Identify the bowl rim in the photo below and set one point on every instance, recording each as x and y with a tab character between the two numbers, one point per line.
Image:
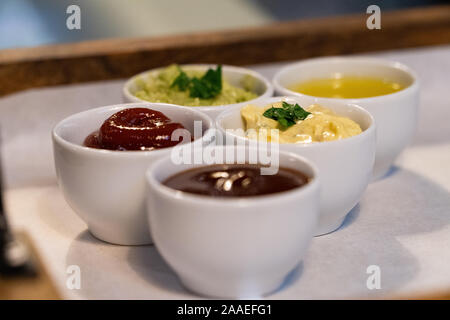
371	129
58	139
267	93
261	200
398	66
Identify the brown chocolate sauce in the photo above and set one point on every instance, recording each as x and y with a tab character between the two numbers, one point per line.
237	180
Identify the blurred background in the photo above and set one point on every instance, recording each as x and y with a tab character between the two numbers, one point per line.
28	23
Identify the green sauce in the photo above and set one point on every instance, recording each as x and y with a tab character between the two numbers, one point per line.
158	88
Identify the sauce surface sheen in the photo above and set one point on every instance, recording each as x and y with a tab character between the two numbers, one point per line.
347	87
134	129
237	180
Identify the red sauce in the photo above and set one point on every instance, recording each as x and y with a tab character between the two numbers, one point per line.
134	129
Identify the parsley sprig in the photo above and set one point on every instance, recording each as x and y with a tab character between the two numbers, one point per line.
206	87
287	115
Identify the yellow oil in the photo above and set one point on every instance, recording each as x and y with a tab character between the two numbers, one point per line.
347	87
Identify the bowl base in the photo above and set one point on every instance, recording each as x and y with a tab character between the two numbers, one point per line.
221	289
381	173
326	226
118	239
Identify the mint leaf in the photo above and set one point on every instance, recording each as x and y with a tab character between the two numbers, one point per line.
199	89
300	113
287	115
206	87
285	123
182	81
214	79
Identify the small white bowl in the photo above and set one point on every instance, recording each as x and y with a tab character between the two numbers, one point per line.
345	165
232	247
395	114
233	75
107	188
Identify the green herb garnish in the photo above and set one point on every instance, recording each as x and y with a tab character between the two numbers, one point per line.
182	81
288	115
206	87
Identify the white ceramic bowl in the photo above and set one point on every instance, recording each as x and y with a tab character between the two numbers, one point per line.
107	188
345	166
395	114
233	75
232	247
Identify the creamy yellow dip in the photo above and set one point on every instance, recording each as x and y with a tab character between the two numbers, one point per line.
321	125
158	88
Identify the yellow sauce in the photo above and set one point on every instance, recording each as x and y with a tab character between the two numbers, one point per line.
321	125
347	87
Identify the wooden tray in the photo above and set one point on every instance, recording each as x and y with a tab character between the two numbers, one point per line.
120	58
39	286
